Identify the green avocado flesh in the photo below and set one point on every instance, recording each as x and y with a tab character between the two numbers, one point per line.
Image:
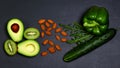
15	29
31	33
29	48
10	47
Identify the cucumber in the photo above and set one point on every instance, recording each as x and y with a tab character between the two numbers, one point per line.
89	46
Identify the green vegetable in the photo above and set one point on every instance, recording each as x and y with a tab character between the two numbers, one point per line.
81	40
96	20
77	33
72	27
89	46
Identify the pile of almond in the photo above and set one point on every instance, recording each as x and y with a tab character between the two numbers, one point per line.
47	26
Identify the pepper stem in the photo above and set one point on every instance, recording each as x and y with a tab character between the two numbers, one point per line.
91	23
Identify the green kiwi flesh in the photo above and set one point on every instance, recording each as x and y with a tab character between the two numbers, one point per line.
10	47
31	33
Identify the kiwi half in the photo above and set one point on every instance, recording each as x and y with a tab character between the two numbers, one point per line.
10	47
31	33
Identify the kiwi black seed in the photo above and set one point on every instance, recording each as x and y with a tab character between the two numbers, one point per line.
31	33
10	47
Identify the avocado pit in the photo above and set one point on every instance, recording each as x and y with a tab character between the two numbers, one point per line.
15	27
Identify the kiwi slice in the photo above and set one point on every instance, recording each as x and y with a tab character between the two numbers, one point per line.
31	33
10	47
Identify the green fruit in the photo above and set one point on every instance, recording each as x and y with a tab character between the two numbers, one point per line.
15	29
31	33
29	48
10	47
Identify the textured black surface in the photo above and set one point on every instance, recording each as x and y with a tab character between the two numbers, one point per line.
65	12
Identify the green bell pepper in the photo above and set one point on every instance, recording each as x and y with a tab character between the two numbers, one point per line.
96	20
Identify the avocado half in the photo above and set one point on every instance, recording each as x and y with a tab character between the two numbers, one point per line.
29	48
15	29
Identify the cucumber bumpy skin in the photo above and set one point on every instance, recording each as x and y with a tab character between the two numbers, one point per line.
89	46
